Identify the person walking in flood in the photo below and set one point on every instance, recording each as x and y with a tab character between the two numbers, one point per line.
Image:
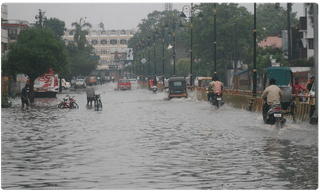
25	96
90	94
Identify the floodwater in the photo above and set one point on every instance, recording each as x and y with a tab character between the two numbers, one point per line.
141	140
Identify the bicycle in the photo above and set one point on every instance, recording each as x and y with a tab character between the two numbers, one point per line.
97	102
68	103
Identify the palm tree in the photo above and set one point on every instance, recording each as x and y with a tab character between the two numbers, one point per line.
80	33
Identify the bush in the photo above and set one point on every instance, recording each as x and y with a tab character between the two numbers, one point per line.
303	62
5	101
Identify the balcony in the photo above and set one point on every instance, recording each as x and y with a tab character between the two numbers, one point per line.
302	24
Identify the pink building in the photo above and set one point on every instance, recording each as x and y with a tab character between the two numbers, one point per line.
273	41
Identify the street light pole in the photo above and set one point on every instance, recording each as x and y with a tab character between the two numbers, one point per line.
154	52
183	16
215	40
163	54
254	75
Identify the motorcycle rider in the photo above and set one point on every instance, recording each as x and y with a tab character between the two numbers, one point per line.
210	88
272	93
217	87
155	80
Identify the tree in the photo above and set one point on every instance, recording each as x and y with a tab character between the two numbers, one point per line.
234	26
147	27
80	33
183	67
57	26
274	17
36	52
81	64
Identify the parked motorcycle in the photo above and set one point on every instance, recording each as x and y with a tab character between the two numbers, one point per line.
274	115
68	103
216	100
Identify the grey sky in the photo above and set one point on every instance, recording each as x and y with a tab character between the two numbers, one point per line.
113	15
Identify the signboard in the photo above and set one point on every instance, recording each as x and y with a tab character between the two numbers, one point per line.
94	57
22	77
143	60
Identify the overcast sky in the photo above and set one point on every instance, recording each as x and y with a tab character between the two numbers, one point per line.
122	15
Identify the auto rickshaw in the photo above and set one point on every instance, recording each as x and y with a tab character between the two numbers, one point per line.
284	80
177	87
202	87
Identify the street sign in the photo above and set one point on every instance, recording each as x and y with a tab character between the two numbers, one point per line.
94	57
143	60
129	63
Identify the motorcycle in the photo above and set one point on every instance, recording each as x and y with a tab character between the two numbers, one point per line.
68	103
216	100
274	115
154	89
97	102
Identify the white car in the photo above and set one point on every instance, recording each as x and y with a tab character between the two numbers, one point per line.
133	81
80	83
65	84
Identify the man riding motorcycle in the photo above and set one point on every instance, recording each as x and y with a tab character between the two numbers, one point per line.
273	94
210	94
155	80
216	86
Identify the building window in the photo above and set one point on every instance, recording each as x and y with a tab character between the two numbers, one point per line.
103	33
123	32
93	33
103	52
87	42
113	41
103	62
311	44
113	32
94	42
71	33
104	42
123	42
70	42
132	32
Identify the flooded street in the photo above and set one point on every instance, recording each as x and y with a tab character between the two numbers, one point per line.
140	140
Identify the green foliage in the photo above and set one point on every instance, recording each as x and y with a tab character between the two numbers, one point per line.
6	68
37	51
273	17
5	101
303	62
81	64
231	20
183	67
57	26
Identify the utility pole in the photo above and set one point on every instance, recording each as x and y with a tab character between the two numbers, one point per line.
215	40
254	90
288	26
314	118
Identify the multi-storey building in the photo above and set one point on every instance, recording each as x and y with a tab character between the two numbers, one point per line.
14	26
306	27
4	32
110	45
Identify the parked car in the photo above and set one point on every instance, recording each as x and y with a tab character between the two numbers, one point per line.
80	83
92	80
80	77
65	84
124	84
